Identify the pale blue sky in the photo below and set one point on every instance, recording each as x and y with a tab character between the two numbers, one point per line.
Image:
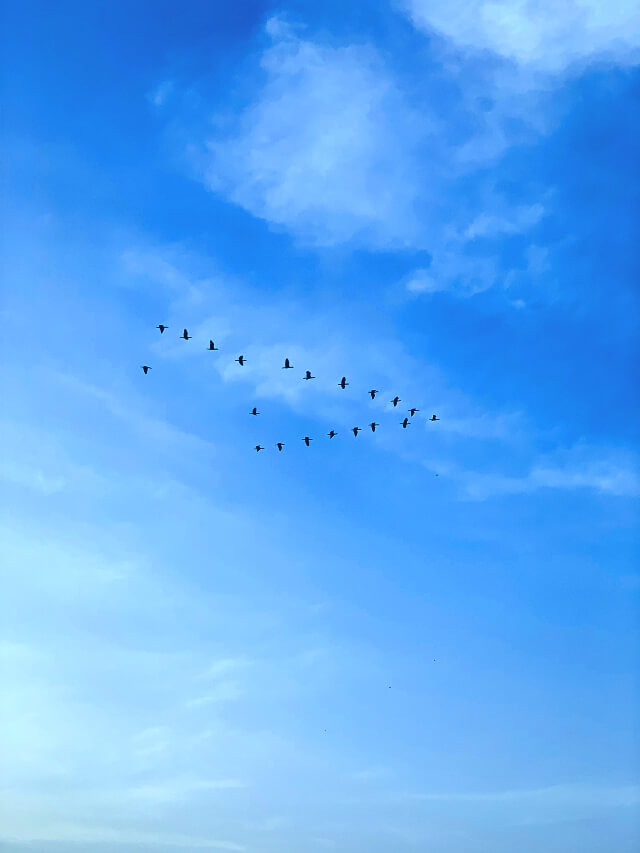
418	640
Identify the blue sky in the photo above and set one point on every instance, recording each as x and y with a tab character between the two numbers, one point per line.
422	639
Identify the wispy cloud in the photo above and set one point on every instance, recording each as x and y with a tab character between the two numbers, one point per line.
326	148
542	34
581	467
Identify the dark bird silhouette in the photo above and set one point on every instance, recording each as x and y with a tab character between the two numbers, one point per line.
280	445
405	423
287	365
332	433
413	411
373	426
146	368
254	411
373	393
343	383
185	335
241	360
395	401
308	375
356	430
259	448
212	346
307	440
434	418
161	327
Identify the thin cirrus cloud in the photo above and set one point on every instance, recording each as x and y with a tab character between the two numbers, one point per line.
326	148
581	467
333	148
543	35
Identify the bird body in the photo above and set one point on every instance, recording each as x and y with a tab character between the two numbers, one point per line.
373	393
287	365
395	401
332	433
146	368
307	440
343	383
241	360
413	411
373	426
185	335
405	423
254	411
212	346
308	375
161	327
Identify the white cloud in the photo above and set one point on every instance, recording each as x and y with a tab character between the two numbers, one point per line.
452	270
326	148
580	467
58	831
542	34
514	222
161	93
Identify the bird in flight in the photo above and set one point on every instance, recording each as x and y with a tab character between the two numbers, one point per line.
280	445
161	327
308	375
356	430
307	440
146	368
254	411
332	433
434	418
395	401
259	448
413	411
373	393
343	383
212	346
185	335
287	365
373	426
405	423
241	360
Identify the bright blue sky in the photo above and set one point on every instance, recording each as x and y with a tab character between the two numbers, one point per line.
434	198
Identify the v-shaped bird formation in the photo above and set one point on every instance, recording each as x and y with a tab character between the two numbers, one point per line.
343	384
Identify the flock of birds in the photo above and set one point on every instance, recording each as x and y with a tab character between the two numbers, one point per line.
288	366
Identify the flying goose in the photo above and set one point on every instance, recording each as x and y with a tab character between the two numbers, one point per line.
343	383
254	411
212	346
259	448
434	418
307	440
373	426
395	401
332	433
373	393
241	360
146	368
405	423
185	335
308	375
280	445
287	365
413	411
161	327
356	430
